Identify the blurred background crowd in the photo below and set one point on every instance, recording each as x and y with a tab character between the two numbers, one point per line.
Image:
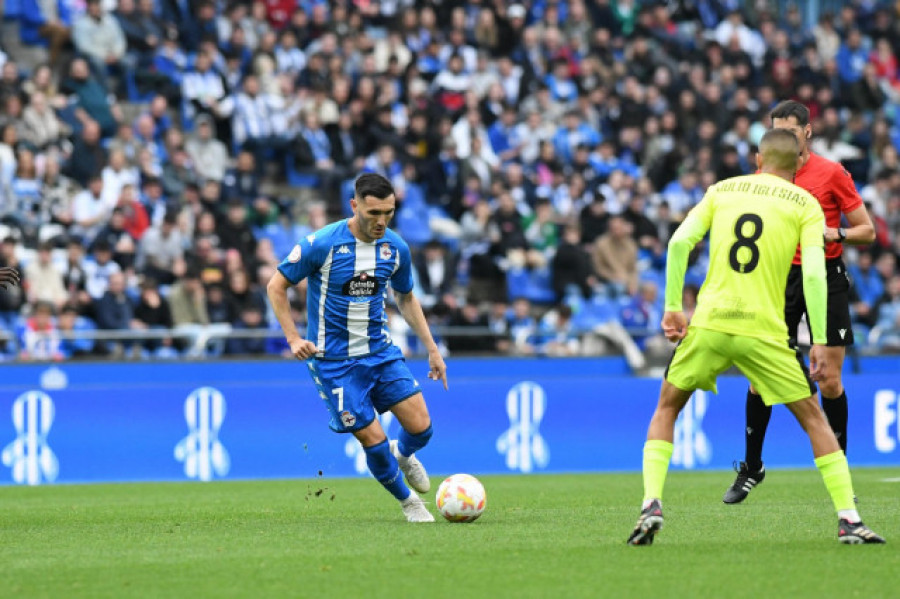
158	158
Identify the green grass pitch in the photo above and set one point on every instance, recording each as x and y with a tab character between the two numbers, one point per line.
540	536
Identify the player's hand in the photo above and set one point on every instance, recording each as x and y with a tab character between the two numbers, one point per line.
438	370
303	349
674	326
831	235
818	366
9	277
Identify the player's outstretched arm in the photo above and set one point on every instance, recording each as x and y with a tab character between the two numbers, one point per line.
281	305
412	312
9	277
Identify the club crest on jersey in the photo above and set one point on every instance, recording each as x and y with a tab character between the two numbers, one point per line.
294	256
347	418
362	285
386	251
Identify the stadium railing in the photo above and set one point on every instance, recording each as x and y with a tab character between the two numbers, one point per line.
204	341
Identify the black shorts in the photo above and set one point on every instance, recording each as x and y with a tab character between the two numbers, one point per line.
839	329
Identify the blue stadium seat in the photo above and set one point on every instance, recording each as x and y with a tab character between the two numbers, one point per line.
297	179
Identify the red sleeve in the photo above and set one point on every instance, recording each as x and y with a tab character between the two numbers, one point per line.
845	194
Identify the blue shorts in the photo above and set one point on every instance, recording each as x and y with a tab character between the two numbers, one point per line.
353	389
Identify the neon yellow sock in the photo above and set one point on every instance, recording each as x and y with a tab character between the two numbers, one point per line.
836	474
656	464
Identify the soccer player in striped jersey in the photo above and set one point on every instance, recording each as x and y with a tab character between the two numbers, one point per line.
356	368
832	186
755	223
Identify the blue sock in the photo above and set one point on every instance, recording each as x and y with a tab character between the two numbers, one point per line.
386	470
409	444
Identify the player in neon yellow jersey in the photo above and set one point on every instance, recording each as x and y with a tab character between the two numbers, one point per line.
755	223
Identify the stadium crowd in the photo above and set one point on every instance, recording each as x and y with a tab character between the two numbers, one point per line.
158	158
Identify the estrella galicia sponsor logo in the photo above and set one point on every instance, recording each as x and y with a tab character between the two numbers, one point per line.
362	285
354	451
887	420
29	455
692	446
203	454
522	443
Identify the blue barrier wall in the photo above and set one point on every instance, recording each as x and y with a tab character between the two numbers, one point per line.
177	421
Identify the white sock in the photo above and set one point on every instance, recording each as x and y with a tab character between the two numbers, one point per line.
851	516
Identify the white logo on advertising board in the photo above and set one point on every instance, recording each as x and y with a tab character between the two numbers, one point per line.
30	457
522	443
887	417
203	454
692	446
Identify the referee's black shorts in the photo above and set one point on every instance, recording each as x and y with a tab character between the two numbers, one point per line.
839	328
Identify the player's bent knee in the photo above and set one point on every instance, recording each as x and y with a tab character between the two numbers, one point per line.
831	387
370	435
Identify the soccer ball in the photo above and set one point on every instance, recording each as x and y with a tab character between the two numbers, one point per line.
461	498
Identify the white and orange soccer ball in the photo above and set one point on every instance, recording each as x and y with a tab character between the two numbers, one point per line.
461	498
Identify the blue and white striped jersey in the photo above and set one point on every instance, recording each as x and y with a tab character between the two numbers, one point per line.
347	287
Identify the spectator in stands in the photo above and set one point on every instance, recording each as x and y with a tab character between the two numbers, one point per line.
155	202
187	300
38	335
852	57
436	268
557	334
178	174
469	320
133	211
208	155
46	23
116	235
255	120
202	87
888	310
116	174
523	328
90	210
42	127
75	275
26	197
88	156
161	250
507	232
240	295
330	174
249	317
242	181
234	232
152	312
642	313
615	257
99	270
571	266
72	326
45	281
112	311
98	36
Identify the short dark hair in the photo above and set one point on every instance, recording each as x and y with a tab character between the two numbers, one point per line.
792	108
779	149
372	184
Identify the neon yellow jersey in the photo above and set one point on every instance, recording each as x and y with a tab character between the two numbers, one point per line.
755	223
